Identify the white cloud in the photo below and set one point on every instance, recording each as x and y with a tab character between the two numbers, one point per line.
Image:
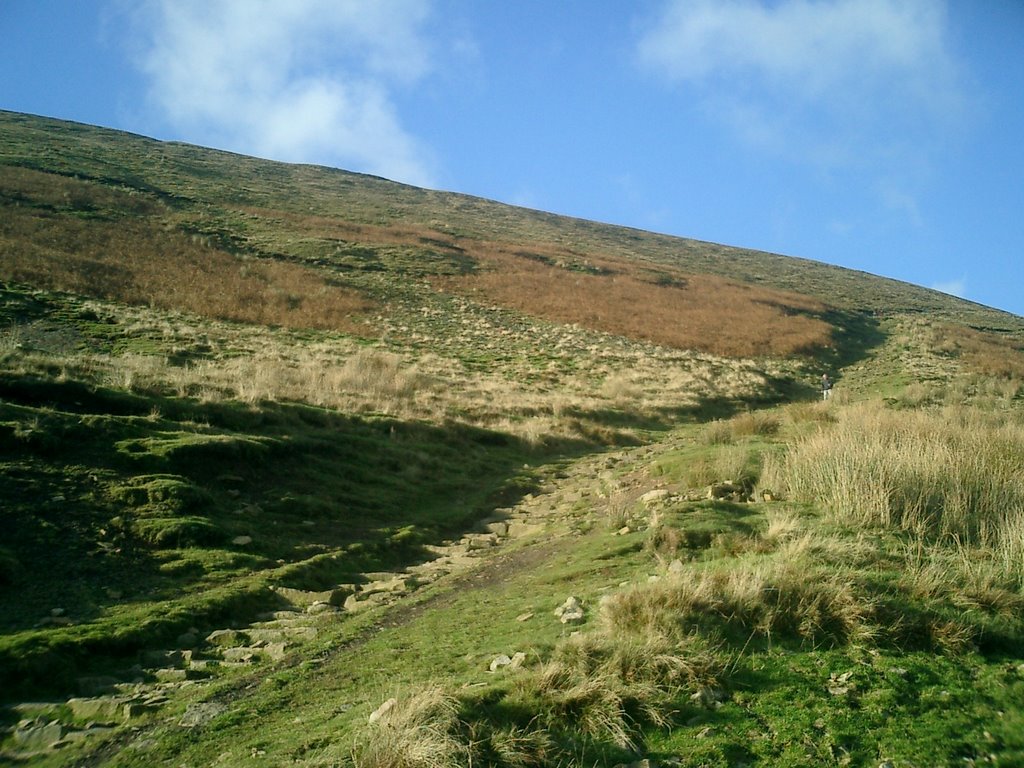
822	77
301	81
953	287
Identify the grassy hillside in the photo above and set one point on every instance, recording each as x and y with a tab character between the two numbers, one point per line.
280	445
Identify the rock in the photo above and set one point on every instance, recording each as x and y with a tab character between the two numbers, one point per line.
839	684
498	528
170	675
134	709
382	710
104	709
711	698
174	658
201	714
227	638
500	661
725	490
95	685
767	495
518	660
241	541
188	639
651	497
320	607
239	655
571	611
524	617
36	737
274	651
623	530
676	566
480	541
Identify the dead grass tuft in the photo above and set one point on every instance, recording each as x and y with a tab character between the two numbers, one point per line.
791	599
951	475
420	731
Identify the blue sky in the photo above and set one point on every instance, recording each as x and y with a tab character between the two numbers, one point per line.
881	135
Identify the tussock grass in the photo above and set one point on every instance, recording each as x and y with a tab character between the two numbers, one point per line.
951	475
422	730
780	598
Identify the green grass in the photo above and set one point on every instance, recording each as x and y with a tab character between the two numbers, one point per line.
163	475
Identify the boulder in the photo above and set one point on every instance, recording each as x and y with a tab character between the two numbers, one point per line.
571	611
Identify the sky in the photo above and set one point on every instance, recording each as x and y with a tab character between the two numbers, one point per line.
881	135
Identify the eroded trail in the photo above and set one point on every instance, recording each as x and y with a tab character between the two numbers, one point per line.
188	687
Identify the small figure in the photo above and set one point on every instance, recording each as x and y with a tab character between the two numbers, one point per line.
826	386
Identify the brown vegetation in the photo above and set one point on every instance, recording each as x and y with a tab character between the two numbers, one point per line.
64	235
985	353
652	303
663	305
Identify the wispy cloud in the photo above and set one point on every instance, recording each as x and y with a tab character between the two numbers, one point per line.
953	287
302	81
825	78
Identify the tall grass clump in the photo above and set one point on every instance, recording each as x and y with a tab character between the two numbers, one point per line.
955	474
784	598
421	730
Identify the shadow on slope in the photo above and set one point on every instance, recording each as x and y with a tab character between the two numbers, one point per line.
130	518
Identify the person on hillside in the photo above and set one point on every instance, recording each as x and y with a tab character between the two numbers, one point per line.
826	386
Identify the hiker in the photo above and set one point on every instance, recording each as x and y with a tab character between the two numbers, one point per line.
826	386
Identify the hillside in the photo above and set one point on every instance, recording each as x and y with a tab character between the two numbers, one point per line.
280	444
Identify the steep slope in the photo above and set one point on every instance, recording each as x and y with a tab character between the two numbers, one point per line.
280	443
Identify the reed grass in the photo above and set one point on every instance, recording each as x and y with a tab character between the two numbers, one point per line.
954	475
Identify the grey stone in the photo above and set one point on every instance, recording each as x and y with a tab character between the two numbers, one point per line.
227	638
105	709
571	611
37	737
201	714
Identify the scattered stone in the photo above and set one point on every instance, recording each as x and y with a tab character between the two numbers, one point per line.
676	567
524	617
518	660
571	611
382	710
241	541
623	530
